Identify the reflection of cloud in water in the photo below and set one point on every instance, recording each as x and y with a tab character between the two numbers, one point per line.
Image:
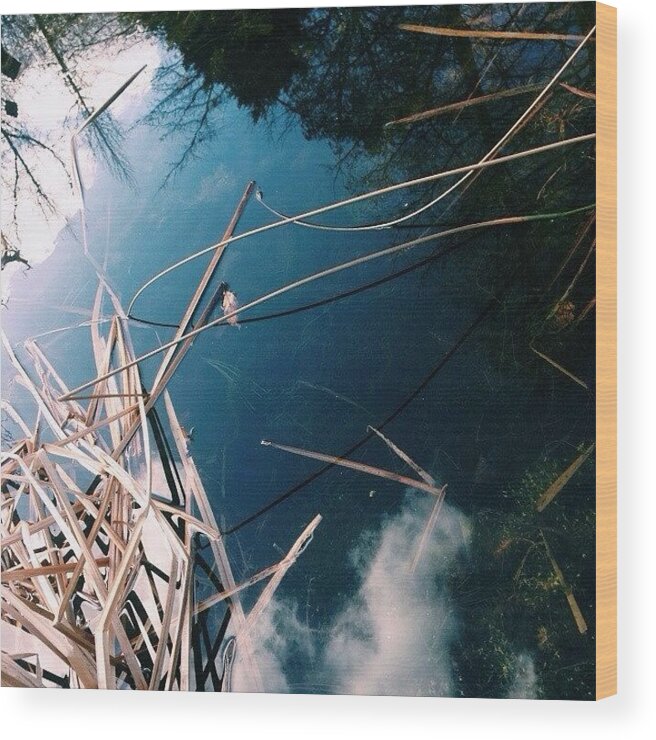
277	633
525	683
393	635
44	101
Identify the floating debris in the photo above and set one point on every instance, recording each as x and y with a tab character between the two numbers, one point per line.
229	306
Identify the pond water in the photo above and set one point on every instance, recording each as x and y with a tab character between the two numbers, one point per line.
493	415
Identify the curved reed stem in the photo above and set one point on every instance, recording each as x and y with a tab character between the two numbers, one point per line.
507	221
468	171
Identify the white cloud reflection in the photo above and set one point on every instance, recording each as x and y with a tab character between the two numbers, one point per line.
394	635
525	683
46	108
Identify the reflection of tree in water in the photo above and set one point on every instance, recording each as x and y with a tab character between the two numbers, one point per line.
59	43
251	54
105	136
344	73
12	254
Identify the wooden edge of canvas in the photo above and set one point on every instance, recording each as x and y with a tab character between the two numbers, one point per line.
606	403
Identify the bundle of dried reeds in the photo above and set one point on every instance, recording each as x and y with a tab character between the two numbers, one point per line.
100	522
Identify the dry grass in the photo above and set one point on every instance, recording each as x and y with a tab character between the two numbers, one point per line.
561	481
99	525
491	35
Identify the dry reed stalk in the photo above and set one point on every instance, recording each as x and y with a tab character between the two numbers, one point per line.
560	368
561	481
577	614
437	506
16	676
499	35
205	280
280	567
405	457
577	91
462	104
587	225
267	594
574	280
361	467
586	310
428	531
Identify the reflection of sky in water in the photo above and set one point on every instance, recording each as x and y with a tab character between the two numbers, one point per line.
314	379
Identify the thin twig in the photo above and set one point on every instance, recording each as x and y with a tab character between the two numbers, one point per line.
450	107
553	363
361	467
